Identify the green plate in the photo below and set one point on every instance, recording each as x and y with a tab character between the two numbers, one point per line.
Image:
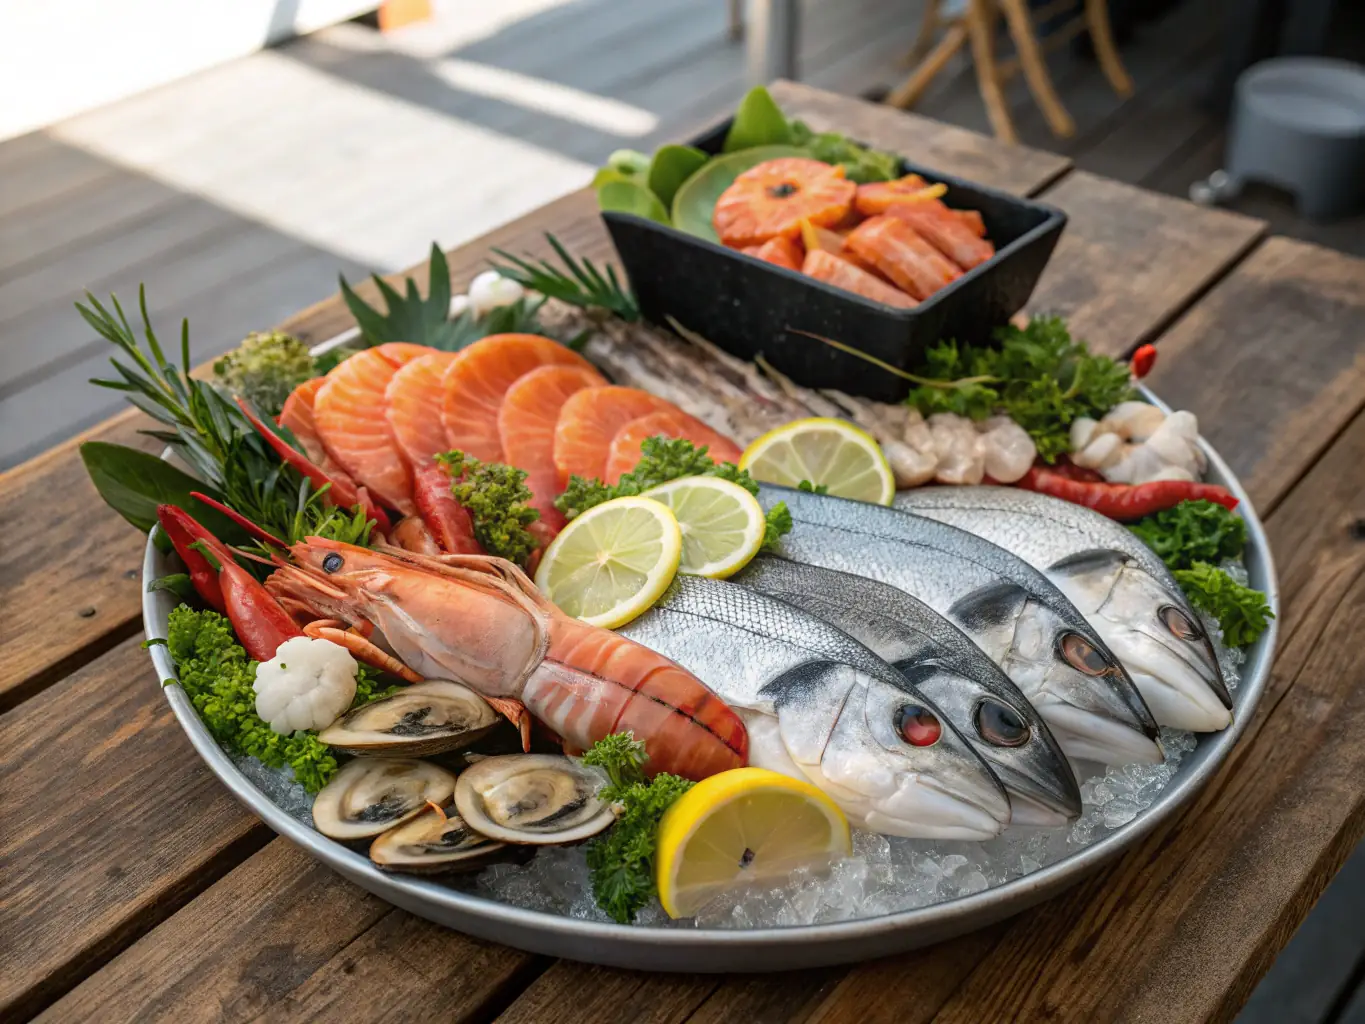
696	199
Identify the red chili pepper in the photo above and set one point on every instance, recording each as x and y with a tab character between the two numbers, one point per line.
1074	472
1123	501
1143	360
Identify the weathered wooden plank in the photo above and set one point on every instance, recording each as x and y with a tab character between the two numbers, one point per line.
1281	337
111	823
602	995
1130	261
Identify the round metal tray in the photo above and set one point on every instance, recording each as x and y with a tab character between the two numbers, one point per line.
726	950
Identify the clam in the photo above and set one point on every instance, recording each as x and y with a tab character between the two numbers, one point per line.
422	719
434	841
533	798
373	794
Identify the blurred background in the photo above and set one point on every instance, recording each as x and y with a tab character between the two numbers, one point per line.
236	157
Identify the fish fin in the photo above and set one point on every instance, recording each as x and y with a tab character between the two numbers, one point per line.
1094	560
991	605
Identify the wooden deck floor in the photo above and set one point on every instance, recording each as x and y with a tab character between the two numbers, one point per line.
240	194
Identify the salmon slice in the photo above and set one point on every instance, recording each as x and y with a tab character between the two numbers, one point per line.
773	198
297	417
349	413
780	251
903	255
588	423
526	425
825	266
413	408
625	446
972	218
834	243
945	232
477	380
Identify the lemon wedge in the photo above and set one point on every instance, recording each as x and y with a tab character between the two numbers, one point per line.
742	826
722	524
824	451
613	562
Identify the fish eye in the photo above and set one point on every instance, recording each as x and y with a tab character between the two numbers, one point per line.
332	562
1180	624
917	725
1081	655
1000	725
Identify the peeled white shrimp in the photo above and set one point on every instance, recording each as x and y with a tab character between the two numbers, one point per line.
1009	451
960	449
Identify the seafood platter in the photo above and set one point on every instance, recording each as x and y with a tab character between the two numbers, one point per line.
572	629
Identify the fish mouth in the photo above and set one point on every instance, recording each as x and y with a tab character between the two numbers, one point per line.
1035	803
1086	736
939	812
1176	690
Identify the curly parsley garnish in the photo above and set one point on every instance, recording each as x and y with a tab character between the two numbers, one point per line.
1193	531
497	499
1243	613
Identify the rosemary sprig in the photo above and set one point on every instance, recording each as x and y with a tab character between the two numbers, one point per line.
583	285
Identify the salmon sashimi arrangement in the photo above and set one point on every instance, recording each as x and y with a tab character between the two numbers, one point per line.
674	423
297	417
526	426
349	412
588	423
784	211
478	378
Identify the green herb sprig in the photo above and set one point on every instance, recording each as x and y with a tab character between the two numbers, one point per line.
498	502
580	283
1193	531
1243	613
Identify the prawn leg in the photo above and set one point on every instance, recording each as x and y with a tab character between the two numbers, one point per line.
515	712
363	649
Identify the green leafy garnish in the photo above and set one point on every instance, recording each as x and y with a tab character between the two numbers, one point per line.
217	676
810	488
265	368
663	459
671	166
1243	613
622	860
579	284
1039	376
1193	531
759	121
860	164
497	499
632	197
408	316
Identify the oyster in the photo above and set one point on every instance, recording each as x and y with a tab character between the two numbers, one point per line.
434	841
422	719
373	794
533	798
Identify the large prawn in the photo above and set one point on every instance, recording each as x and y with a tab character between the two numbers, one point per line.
479	620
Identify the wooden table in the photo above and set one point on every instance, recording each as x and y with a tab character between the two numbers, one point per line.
133	887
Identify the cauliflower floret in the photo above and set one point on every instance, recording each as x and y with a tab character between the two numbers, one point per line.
309	684
490	290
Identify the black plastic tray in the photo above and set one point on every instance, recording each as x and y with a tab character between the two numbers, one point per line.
748	306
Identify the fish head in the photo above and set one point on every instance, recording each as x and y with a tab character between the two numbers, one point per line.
890	759
1060	663
1006	730
1155	633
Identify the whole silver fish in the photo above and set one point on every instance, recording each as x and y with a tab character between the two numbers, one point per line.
942	663
820	706
1009	609
1118	583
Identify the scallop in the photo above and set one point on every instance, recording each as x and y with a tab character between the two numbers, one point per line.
434	841
419	720
373	794
538	799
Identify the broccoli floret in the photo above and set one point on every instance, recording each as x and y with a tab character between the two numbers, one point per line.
264	368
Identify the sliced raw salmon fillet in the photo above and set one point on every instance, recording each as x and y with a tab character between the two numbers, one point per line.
526	425
413	407
833	242
902	254
588	423
945	232
773	198
972	218
477	380
781	251
297	416
825	266
625	446
349	412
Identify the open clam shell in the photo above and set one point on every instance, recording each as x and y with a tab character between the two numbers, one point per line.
373	794
433	842
538	799
419	720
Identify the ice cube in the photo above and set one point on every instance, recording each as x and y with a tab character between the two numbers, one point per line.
1120	812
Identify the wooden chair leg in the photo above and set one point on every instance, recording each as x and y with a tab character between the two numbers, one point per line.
735	20
928	25
980	22
908	92
1035	68
1097	23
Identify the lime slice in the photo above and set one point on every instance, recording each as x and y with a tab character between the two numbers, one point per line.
740	827
612	562
722	524
695	201
832	452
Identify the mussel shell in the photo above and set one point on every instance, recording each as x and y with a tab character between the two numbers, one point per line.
371	795
422	719
538	799
434	842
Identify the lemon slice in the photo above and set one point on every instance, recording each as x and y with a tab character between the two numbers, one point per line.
722	524
612	562
844	458
742	826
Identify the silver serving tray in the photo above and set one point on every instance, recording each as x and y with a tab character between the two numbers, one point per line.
748	950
